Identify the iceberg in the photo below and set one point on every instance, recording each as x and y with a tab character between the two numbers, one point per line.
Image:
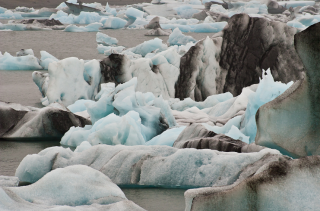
111	130
167	138
177	38
108	9
147	46
267	90
199	28
134	13
114	23
294	114
186	11
105	39
63	17
142	116
87	18
279	180
60	190
29	123
27	62
46	59
8	14
70	72
160	166
108	50
92	27
8	181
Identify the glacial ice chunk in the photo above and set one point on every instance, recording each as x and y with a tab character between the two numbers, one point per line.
108	9
168	137
186	11
267	90
63	17
177	38
153	165
114	23
147	46
68	73
46	59
111	130
134	13
28	62
105	39
87	18
199	28
92	27
74	186
8	14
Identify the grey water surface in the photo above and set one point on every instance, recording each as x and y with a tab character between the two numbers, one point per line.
18	87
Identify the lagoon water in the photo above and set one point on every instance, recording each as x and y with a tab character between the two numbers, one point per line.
18	87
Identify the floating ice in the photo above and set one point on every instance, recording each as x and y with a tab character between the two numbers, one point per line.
46	59
186	11
23	9
147	46
105	39
73	186
199	28
71	72
2	10
177	38
8	14
267	90
114	23
147	165
87	18
122	101
293	4
63	17
113	11
24	52
7	181
211	101
168	137
92	27
28	62
235	133
134	13
111	130
107	50
304	21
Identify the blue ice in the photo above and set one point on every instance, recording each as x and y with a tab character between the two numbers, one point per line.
28	62
114	23
199	28
267	90
147	46
168	137
105	39
46	59
186	11
92	27
177	38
